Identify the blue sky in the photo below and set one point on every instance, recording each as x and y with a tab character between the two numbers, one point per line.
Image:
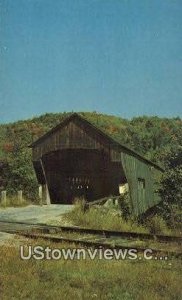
121	57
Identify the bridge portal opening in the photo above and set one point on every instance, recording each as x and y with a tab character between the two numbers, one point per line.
87	173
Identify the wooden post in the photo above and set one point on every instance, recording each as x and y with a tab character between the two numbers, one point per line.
41	194
48	201
45	195
20	196
3	198
45	191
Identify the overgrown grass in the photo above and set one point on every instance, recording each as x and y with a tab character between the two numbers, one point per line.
87	279
13	201
157	225
101	218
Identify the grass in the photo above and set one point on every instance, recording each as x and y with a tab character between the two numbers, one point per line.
14	202
101	218
87	279
157	225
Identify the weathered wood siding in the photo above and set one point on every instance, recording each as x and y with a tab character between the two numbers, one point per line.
136	171
74	135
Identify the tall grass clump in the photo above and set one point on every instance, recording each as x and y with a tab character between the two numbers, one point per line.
100	217
157	225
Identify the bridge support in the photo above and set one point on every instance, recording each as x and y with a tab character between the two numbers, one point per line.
45	195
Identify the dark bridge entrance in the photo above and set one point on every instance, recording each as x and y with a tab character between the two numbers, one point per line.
72	173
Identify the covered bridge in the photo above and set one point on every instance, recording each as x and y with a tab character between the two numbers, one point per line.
76	159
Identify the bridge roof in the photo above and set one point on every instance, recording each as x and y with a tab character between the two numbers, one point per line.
107	137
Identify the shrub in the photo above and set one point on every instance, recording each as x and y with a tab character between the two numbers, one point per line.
156	225
125	206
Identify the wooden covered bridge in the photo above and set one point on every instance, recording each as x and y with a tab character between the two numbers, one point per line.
76	159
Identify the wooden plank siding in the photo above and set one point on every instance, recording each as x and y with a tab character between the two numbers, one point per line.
74	136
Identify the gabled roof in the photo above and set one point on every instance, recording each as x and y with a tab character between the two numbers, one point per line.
111	141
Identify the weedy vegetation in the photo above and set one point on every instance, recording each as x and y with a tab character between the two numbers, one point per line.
87	279
112	218
100	217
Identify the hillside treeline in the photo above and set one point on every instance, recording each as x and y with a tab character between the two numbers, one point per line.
158	139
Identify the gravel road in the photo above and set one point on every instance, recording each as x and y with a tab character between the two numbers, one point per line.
34	213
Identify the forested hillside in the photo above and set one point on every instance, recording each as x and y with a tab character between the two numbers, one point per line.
158	139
